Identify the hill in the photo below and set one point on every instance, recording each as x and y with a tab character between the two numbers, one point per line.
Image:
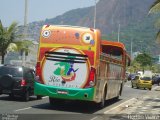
131	15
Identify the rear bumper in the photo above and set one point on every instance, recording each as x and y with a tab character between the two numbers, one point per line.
19	91
142	85
65	93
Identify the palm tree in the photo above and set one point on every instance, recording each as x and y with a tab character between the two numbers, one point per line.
8	43
24	46
7	36
155	8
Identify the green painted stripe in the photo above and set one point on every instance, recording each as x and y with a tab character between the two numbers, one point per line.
73	93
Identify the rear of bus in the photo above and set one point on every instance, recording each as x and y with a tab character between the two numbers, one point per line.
67	61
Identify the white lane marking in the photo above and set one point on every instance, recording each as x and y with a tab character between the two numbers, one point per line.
94	118
23	109
155	87
29	107
119	105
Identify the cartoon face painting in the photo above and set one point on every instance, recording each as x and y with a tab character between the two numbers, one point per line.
63	70
66	71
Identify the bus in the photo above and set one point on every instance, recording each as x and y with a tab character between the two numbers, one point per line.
73	63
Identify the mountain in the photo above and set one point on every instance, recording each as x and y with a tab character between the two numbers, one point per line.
130	16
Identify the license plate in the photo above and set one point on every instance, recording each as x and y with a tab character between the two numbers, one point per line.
62	92
6	91
145	82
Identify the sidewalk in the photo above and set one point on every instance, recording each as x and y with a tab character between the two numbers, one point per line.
146	104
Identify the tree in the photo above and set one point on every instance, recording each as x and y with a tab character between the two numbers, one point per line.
23	46
155	7
8	42
7	36
144	60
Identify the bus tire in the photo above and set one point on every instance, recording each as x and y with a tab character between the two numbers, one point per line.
102	103
120	93
51	101
39	97
55	101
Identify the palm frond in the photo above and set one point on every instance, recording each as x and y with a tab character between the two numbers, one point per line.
12	47
12	27
157	23
23	45
155	8
158	37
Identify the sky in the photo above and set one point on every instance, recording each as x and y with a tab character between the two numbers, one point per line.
13	10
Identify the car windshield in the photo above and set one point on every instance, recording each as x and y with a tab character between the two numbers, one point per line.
15	72
145	78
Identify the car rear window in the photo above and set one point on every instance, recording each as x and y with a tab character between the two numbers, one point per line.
15	72
145	78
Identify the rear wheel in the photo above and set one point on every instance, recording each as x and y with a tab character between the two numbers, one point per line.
26	96
120	92
132	85
137	86
55	101
102	103
39	97
51	101
11	95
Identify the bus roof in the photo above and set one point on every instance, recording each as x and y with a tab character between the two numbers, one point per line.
113	43
66	26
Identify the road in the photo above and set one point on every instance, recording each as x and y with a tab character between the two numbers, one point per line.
70	109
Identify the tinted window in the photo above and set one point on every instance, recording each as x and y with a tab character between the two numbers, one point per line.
29	75
145	78
16	72
136	78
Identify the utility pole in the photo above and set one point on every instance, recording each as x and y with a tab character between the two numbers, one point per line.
131	48
25	30
25	14
95	13
119	28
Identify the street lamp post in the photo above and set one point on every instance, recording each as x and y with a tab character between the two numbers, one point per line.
119	28
95	13
131	48
25	29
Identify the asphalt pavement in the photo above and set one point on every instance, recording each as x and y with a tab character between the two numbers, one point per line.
134	104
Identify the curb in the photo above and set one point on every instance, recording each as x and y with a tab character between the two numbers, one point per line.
122	106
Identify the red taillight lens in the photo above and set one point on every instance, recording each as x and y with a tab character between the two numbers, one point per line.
38	70
23	82
91	79
92	74
38	73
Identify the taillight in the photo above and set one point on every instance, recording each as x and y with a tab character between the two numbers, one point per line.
23	82
38	73
92	74
38	70
91	79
